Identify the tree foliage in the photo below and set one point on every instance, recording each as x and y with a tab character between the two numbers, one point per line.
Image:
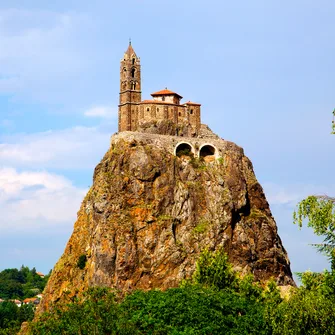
320	213
21	284
216	301
11	316
213	270
18	284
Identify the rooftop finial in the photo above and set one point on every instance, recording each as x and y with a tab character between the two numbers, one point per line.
129	40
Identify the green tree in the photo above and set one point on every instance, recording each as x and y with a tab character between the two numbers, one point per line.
214	270
8	313
320	212
216	301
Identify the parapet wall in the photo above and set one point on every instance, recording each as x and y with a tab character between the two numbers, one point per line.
171	143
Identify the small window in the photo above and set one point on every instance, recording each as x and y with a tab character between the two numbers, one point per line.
148	109
191	112
133	61
133	73
163	98
179	114
157	109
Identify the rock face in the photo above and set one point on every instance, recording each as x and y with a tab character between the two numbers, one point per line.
149	214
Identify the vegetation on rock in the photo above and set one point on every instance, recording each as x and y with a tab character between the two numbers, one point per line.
81	262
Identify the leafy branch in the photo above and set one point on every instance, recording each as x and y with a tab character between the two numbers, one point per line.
320	212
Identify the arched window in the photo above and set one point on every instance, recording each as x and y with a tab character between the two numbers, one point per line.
184	149
133	73
133	61
207	150
191	112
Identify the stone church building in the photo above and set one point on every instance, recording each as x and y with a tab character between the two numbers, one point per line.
166	105
164	118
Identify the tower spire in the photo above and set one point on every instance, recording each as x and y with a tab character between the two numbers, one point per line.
130	90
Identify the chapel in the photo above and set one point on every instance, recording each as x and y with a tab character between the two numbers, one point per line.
135	113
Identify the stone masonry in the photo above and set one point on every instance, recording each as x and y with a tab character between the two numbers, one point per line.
164	105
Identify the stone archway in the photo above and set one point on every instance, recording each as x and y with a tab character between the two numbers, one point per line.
207	152
184	149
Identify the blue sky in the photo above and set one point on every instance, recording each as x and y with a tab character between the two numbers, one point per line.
262	70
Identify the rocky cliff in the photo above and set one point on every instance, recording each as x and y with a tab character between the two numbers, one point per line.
150	213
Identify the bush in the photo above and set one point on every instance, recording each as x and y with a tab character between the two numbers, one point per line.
82	262
213	270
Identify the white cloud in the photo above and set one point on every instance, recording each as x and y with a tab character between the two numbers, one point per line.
290	195
102	112
78	147
12	182
31	200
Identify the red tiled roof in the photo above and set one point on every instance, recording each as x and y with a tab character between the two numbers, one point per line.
156	102
166	92
159	102
15	301
192	103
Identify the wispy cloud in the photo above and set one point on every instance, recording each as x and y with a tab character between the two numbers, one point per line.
290	195
102	112
78	147
30	200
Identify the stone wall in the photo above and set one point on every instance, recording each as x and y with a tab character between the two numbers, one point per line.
171	143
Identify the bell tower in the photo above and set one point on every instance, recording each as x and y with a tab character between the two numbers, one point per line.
130	90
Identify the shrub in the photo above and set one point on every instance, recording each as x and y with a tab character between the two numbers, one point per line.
82	262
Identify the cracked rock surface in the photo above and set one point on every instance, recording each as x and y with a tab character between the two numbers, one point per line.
149	214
